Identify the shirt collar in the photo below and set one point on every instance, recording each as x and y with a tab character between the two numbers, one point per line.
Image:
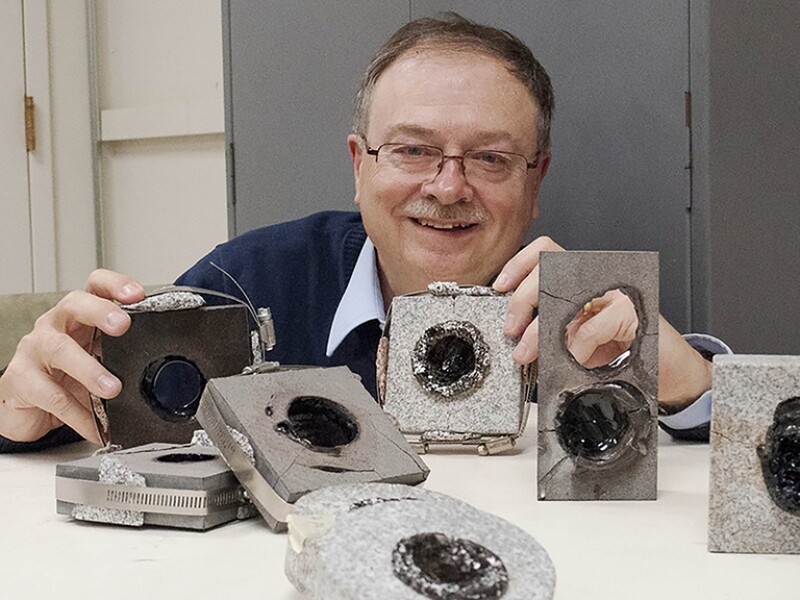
362	300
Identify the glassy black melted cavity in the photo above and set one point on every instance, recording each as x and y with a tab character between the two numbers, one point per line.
443	568
450	358
318	424
592	423
780	456
183	457
373	501
172	386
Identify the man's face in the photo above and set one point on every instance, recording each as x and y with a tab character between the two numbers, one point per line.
448	226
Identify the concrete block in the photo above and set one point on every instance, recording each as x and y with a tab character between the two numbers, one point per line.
163	362
309	428
597	427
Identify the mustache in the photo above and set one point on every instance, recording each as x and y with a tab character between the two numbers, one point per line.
462	212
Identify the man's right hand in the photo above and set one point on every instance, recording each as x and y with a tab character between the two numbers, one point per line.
48	381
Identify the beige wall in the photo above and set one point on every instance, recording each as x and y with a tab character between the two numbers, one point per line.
162	161
154	88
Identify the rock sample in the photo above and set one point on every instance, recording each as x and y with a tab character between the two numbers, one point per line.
376	542
754	503
445	370
308	428
597	426
173	347
185	486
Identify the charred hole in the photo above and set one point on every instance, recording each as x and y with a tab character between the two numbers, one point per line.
780	456
172	386
318	423
184	457
450	358
441	567
592	423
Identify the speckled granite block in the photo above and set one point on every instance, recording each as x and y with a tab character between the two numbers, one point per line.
493	405
626	470
147	483
743	516
309	429
412	548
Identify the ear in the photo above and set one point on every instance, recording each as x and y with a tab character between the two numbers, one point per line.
356	148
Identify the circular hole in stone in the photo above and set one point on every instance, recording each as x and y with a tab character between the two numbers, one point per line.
172	386
318	423
184	457
615	353
593	423
450	358
780	456
441	567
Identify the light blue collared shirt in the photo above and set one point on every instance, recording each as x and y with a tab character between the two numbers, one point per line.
362	302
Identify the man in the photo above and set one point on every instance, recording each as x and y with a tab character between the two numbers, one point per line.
449	147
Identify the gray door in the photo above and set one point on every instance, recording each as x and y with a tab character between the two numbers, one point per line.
619	177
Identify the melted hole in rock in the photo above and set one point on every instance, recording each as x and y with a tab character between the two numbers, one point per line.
450	358
318	423
442	568
178	457
780	456
329	469
615	353
172	386
373	501
592	423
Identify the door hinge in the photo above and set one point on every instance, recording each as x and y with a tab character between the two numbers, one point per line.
30	125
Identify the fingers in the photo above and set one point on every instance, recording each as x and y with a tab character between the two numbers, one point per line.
79	310
114	286
520	307
51	375
523	263
527	349
521	274
33	404
605	334
57	401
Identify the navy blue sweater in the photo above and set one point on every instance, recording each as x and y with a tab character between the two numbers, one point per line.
299	270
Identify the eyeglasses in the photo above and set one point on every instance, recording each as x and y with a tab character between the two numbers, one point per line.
491	166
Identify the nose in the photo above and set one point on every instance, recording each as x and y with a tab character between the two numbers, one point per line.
450	184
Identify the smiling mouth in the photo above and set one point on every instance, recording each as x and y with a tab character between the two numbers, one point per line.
444	226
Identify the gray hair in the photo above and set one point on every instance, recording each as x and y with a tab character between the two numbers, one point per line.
454	32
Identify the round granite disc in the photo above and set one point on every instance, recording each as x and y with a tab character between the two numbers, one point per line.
330	503
428	549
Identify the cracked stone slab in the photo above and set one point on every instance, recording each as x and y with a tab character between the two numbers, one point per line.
364	549
743	514
572	399
215	339
309	428
490	401
183	486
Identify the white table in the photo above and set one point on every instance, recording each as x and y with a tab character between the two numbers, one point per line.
601	550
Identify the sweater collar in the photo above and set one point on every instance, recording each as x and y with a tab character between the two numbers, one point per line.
362	300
